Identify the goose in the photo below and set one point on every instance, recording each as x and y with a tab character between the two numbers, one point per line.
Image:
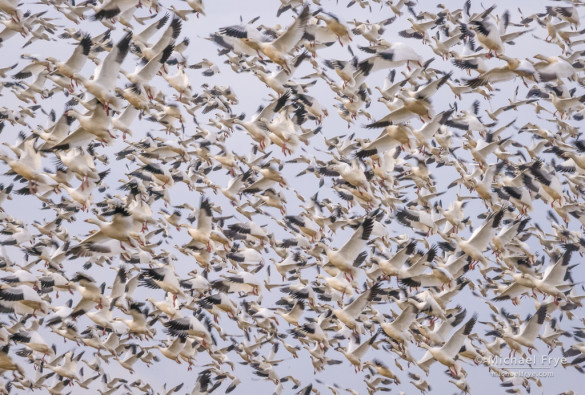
23	300
167	306
173	350
278	49
202	234
179	82
430	128
241	281
371	31
197	6
350	314
146	34
106	74
128	360
280	80
163	277
293	261
119	229
293	316
11	8
480	239
152	171
81	163
394	55
113	8
135	95
245	257
392	266
21	277
527	336
28	165
355	352
334	25
351	255
549	182
6	362
447	353
69	366
33	340
553	280
256	127
95	123
551	68
313	332
76	61
382	369
252	229
190	326
513	68
507	234
137	325
563	105
344	69
569	14
438	335
217	304
398	329
56	281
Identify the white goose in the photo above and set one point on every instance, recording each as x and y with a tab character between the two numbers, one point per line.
479	241
202	234
294	315
355	352
277	50
23	300
165	278
76	61
351	255
102	86
527	335
399	329
350	314
120	228
192	327
447	353
93	124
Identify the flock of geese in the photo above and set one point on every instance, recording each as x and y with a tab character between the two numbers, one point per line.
157	239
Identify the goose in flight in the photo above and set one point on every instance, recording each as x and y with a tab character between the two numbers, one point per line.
447	353
106	74
277	50
351	255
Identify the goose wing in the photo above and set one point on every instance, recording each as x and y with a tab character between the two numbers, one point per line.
398	115
110	67
150	69
79	56
287	41
171	33
556	274
361	350
482	236
454	344
403	321
359	304
205	216
510	292
533	327
358	240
